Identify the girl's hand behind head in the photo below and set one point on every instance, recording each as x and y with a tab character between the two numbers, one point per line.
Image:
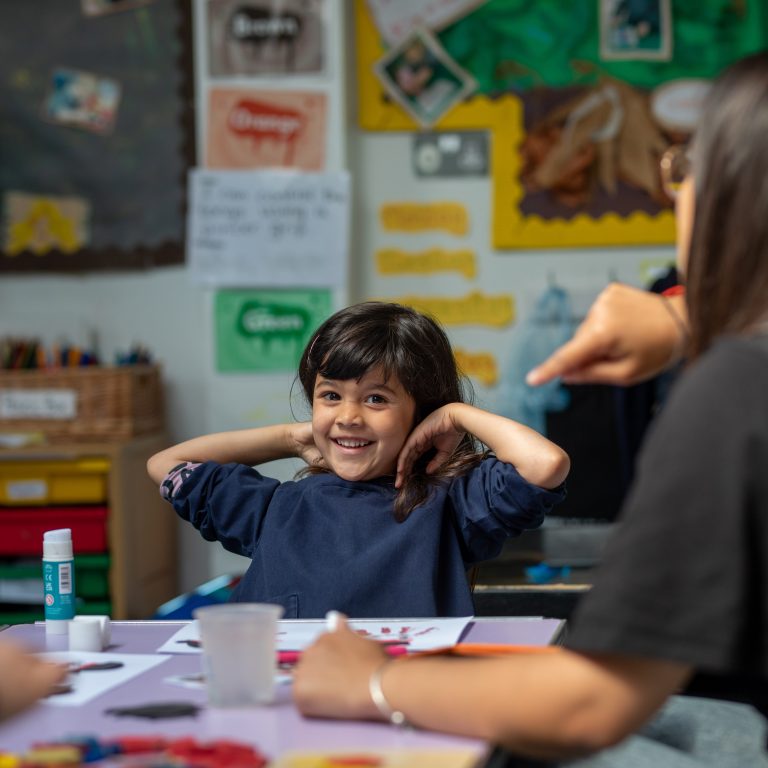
304	444
438	431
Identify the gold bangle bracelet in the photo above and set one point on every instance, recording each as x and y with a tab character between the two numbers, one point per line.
380	700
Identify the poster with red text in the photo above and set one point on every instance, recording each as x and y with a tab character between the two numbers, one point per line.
260	129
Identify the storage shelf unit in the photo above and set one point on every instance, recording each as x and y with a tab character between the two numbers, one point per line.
124	534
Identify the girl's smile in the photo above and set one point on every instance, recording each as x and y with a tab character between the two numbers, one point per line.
360	426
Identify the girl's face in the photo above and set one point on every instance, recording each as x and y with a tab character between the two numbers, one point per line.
360	426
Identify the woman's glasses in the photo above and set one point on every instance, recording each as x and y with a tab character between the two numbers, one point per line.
675	166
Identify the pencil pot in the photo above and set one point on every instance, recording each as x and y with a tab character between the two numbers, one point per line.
90	403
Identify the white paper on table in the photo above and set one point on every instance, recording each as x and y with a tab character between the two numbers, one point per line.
296	635
264	228
88	685
197	682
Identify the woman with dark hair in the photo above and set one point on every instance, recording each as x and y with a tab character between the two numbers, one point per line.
681	598
397	501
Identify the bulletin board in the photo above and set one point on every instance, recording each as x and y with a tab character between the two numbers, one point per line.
541	72
96	133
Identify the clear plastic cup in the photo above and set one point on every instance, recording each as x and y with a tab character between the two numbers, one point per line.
239	652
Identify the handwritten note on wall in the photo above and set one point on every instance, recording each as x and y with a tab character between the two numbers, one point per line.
268	228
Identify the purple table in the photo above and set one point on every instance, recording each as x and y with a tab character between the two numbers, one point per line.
274	729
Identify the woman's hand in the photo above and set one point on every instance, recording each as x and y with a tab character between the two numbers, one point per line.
331	678
24	679
627	336
304	443
440	431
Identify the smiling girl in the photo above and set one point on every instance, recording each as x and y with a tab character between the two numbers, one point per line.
397	500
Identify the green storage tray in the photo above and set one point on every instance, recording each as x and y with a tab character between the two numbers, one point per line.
93	607
91	574
17	614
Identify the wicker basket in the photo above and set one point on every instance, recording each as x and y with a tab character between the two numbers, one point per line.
105	403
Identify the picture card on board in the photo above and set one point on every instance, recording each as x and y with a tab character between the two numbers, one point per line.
259	129
265	37
82	100
422	78
266	330
632	30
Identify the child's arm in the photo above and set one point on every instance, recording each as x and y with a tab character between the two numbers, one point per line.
243	446
537	459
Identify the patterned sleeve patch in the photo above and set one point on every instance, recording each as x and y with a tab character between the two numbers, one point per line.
176	478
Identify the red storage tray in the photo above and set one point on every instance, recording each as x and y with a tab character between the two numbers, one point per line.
21	529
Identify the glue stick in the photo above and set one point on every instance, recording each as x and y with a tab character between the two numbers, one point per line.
58	580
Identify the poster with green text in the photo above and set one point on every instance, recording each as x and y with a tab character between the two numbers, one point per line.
266	330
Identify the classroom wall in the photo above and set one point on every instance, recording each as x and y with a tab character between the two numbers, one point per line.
165	311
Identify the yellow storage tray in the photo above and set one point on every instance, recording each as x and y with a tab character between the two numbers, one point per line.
65	481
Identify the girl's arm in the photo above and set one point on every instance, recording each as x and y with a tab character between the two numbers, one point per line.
243	446
537	459
549	705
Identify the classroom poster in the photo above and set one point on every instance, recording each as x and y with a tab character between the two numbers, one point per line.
266	330
265	228
265	37
259	129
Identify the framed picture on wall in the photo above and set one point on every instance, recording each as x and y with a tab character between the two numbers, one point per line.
635	30
422	78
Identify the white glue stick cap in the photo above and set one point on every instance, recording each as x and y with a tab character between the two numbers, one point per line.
58	543
85	634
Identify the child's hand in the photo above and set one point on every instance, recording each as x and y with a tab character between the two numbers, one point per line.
439	431
24	678
304	443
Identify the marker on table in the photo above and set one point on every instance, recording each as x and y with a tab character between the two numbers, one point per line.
332	619
292	657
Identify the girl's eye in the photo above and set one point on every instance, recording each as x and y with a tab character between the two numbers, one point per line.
328	396
377	399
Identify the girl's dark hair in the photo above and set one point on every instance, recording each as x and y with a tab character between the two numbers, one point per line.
727	273
408	345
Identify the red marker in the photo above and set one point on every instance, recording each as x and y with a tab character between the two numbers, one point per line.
292	657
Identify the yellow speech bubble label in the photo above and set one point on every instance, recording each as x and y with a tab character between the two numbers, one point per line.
423	217
475	308
394	261
479	365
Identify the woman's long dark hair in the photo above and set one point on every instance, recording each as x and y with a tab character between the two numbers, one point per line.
727	274
408	345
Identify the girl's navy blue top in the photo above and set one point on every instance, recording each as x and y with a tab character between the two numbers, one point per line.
323	543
